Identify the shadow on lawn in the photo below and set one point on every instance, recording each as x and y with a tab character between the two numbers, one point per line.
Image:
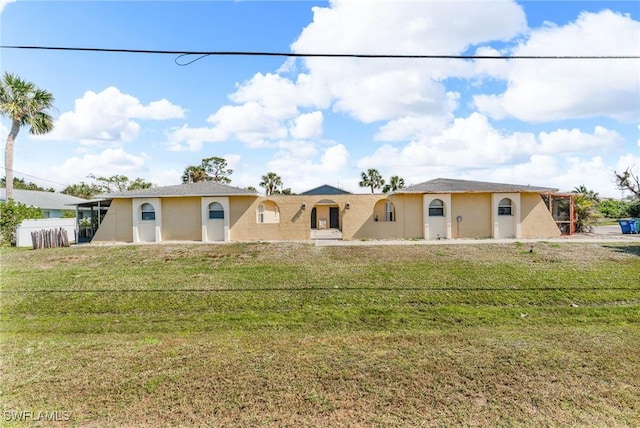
629	249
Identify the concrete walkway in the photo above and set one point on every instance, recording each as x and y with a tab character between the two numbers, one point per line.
601	234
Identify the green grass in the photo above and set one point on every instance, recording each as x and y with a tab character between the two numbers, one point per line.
292	334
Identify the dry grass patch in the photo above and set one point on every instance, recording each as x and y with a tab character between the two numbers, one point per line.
294	335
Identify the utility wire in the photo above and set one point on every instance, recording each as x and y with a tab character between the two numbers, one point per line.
33	176
202	54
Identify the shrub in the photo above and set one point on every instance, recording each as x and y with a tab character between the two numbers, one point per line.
634	208
585	213
611	208
11	215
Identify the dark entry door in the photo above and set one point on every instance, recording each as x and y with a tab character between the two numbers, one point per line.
334	217
314	224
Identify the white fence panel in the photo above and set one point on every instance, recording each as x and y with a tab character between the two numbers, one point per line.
23	231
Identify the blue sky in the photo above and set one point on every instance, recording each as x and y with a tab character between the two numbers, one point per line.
314	121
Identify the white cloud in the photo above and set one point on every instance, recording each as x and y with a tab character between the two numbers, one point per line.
472	148
301	172
4	3
308	125
396	91
381	89
250	123
279	95
106	163
576	141
109	116
545	90
412	27
564	173
191	139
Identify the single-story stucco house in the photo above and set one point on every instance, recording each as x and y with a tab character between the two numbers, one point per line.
436	209
52	204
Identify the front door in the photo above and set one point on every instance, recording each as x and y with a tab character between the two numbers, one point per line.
334	217
314	224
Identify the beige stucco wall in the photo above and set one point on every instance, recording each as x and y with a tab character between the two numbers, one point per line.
117	224
537	221
181	219
294	224
360	219
475	209
356	222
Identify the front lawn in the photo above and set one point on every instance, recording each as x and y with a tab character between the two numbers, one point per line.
294	335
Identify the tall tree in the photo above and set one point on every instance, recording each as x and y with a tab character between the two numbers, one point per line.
217	169
19	183
395	183
372	179
82	190
271	182
120	183
25	105
627	180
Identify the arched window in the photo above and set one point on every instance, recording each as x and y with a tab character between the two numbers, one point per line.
267	213
504	207
147	212
216	211
436	208
261	213
389	212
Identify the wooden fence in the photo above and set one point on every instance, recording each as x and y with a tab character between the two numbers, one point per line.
50	238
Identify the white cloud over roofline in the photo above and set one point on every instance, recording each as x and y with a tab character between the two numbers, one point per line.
109	116
547	90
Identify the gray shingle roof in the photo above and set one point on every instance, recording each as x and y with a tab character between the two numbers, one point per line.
201	188
326	189
447	185
43	200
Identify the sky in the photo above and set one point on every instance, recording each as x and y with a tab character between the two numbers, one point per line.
314	121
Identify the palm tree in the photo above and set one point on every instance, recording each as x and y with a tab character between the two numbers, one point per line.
372	179
193	174
24	104
589	194
271	181
395	183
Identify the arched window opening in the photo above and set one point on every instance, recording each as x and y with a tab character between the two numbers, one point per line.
147	212
261	213
389	212
436	208
267	212
216	211
505	207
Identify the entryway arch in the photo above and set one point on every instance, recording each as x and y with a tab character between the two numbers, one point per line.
325	220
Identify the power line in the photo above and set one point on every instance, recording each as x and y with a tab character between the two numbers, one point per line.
33	176
202	54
